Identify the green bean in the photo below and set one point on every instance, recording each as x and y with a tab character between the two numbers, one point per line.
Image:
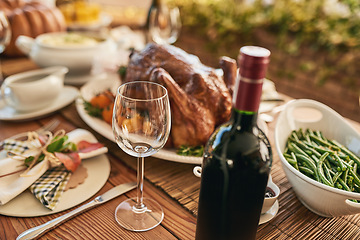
296	149
355	168
345	174
311	147
306	170
295	159
319	140
315	158
319	134
321	171
305	148
351	154
294	135
307	160
327	175
339	186
340	162
336	176
350	183
355	176
323	160
357	187
291	161
345	186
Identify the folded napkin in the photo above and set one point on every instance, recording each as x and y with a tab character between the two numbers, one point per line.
11	182
46	183
50	186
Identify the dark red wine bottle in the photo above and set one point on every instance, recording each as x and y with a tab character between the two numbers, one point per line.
237	160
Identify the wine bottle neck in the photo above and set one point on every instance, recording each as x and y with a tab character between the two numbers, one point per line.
247	120
247	95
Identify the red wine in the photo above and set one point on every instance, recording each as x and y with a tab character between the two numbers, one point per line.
237	161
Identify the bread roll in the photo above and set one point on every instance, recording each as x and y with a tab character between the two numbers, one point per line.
30	18
19	26
35	20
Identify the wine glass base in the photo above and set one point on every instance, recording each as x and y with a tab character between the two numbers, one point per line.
134	219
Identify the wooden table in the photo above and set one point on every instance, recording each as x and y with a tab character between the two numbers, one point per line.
171	184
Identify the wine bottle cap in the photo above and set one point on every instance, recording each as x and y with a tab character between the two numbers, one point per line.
253	62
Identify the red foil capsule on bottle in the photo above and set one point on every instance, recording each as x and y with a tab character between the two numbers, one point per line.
252	62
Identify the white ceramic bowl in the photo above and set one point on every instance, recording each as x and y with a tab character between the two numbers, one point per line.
321	199
78	58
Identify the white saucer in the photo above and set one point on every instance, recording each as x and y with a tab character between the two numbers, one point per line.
81	79
264	218
67	96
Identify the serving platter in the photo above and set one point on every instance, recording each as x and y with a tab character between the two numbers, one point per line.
92	88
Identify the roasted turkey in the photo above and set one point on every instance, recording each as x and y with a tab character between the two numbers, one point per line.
200	96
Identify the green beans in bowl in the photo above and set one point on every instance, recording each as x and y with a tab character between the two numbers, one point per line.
319	152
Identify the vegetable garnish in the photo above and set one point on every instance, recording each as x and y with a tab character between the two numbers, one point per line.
196	151
57	149
92	110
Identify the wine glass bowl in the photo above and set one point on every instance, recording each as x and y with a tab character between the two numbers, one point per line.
5	35
141	125
165	24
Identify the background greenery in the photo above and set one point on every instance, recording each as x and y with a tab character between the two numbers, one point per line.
326	28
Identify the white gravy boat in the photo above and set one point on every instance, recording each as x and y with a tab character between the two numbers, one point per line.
34	89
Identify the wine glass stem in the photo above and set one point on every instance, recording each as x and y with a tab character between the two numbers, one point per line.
140	183
1	74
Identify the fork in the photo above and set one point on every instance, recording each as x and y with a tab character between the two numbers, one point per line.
49	126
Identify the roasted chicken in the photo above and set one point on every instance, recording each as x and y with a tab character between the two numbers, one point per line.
200	99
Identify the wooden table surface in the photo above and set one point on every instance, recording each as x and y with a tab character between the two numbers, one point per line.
293	220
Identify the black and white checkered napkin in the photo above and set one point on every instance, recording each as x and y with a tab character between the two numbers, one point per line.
49	187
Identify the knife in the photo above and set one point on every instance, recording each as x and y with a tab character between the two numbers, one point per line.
112	193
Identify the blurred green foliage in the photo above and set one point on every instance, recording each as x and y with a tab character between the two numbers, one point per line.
328	23
331	27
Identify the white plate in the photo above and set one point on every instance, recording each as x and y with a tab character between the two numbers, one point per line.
67	96
26	205
92	88
264	218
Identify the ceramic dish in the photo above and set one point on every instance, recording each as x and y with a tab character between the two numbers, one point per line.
26	205
92	88
67	96
76	51
270	201
270	214
321	199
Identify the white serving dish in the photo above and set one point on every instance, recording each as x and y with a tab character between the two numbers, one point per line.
78	58
321	199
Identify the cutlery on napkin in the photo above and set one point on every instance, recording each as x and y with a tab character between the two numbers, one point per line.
112	193
12	183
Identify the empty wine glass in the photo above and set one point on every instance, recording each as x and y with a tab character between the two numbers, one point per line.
164	24
141	126
5	35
